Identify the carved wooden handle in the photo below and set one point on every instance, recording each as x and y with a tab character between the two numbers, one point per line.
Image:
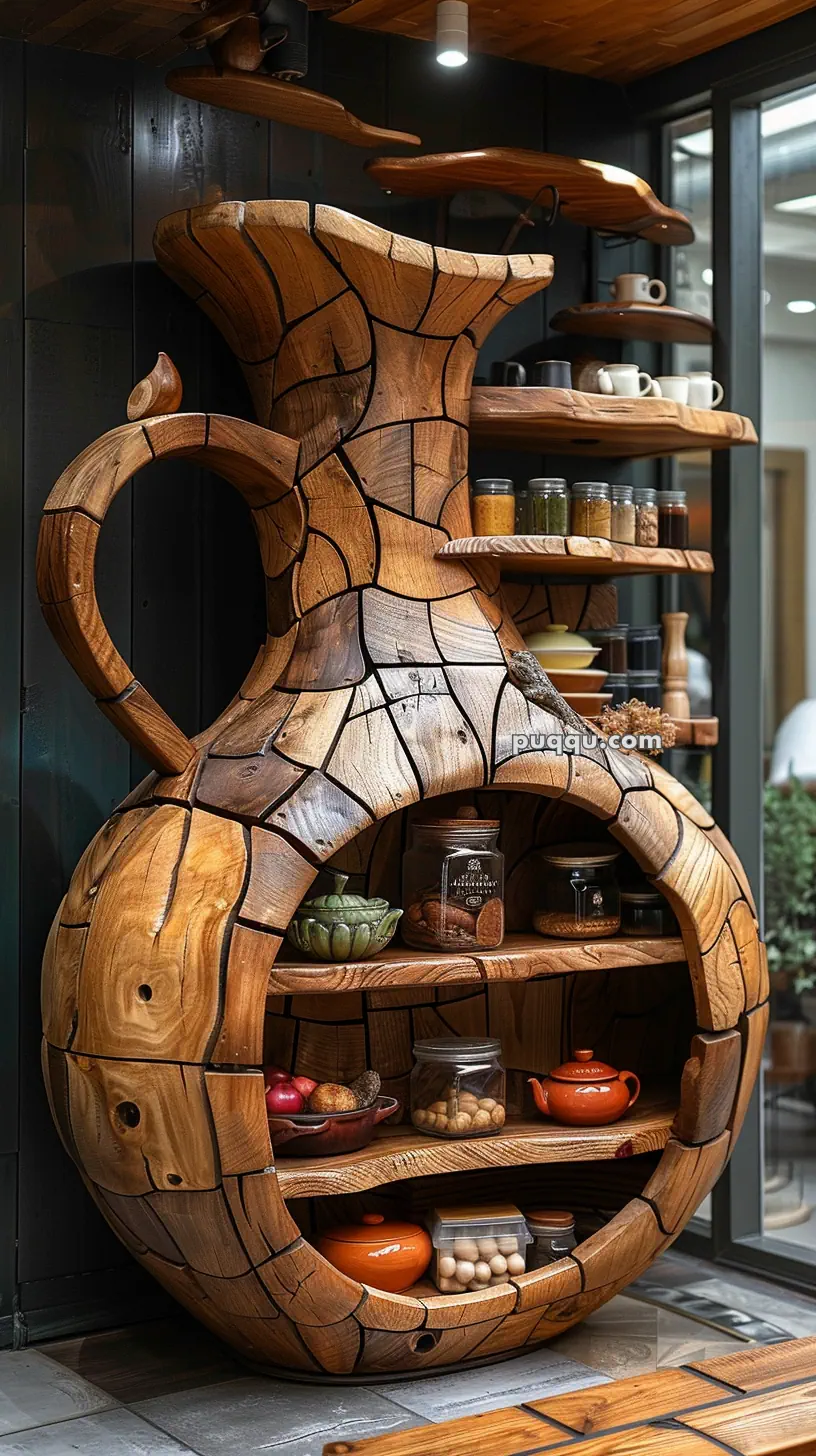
257	462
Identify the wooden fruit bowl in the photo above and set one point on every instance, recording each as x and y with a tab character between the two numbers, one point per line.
314	1136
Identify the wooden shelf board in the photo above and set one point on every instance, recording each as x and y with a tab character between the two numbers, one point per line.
519	958
577	556
405	1152
651	323
590	193
697	732
569	422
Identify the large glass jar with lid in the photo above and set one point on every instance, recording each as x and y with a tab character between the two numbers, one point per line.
453	884
579	894
549	506
458	1086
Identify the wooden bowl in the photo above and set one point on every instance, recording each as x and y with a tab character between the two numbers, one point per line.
577	680
587	704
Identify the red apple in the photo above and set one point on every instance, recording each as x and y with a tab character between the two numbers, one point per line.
273	1075
305	1085
283	1098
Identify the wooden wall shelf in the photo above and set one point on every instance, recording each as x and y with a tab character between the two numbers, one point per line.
519	958
590	193
650	323
407	1153
569	422
577	556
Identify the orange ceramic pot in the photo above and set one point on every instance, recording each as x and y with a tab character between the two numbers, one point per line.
586	1092
384	1253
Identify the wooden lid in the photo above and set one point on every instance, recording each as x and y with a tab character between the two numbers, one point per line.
550	1218
470	1213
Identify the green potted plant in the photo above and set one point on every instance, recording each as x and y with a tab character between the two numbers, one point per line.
790	887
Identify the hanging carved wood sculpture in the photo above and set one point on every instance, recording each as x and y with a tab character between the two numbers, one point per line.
383	681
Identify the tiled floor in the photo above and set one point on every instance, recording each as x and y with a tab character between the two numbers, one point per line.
167	1387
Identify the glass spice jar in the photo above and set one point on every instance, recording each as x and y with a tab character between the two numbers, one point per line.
645	649
612	642
646	912
458	1086
579	888
453	885
673	521
522	525
549	506
591	512
645	686
623	514
646	523
494	507
553	1233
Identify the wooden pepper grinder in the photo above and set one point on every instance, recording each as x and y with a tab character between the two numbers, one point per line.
675	665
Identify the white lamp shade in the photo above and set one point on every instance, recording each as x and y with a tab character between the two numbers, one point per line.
794	749
452	32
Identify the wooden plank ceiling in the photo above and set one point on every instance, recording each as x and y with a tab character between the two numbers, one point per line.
613	39
607	38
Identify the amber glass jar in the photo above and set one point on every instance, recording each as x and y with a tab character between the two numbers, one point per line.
591	512
553	1234
623	514
672	526
457	1086
646	520
494	507
579	891
549	506
453	885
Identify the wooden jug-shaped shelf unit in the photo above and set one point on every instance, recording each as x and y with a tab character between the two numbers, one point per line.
382	683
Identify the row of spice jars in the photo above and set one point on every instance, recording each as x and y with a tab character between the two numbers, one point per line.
546	506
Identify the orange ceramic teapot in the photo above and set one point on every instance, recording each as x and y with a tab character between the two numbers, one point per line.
586	1092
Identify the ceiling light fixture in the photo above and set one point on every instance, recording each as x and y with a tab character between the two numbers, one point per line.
801	305
452	33
707	276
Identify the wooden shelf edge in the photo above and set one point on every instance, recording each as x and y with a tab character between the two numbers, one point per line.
647	323
395	1154
577	556
520	958
697	732
571	422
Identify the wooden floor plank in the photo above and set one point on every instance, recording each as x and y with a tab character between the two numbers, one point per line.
763	1365
776	1423
639	1398
499	1433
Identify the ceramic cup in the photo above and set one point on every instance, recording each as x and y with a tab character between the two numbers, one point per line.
704	392
637	288
552	374
624	379
508	372
671	386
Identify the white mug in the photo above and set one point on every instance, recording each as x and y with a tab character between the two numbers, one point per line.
671	386
637	288
704	392
624	379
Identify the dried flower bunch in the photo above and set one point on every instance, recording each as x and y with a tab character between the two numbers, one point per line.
638	718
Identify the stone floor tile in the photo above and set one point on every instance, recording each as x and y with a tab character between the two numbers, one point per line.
35	1390
276	1417
618	1340
796	1317
535	1376
115	1432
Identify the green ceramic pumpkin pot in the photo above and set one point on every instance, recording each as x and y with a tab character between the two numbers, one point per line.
340	927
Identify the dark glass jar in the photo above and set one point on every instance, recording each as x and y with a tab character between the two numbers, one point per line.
613	656
646	912
672	519
617	683
645	686
553	1234
522	525
578	891
549	506
644	649
453	885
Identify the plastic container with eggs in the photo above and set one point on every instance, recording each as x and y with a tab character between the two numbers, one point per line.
475	1249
